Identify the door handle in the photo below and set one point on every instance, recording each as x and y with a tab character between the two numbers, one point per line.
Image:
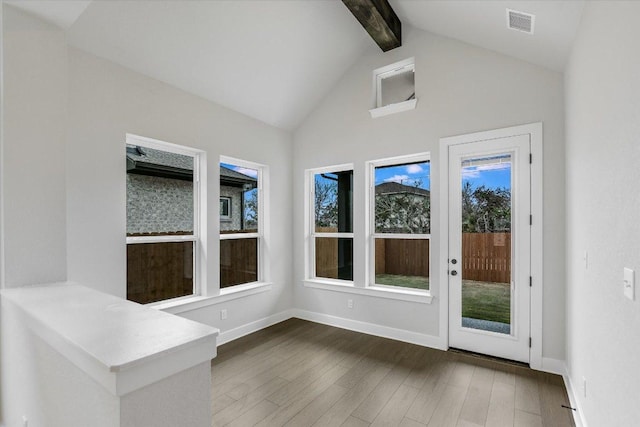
454	273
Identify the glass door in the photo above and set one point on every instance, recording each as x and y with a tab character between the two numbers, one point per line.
489	247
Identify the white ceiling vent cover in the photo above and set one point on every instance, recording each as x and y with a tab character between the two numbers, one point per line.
520	21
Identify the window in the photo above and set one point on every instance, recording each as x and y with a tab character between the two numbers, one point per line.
400	215
331	223
394	88
241	233
225	208
163	200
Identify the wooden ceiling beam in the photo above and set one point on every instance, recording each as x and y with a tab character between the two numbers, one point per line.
380	21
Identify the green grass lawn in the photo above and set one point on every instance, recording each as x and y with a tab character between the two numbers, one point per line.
486	301
480	300
416	282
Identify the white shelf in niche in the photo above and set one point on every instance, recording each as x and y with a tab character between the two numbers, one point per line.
393	108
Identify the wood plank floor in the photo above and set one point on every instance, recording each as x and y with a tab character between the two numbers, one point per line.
298	373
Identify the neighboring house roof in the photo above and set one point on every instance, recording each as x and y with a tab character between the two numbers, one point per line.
147	161
397	188
236	179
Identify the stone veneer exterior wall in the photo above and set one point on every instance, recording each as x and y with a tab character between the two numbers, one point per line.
158	205
235	222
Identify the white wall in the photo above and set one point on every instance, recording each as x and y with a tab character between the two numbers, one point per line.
460	89
603	154
66	114
106	101
64	182
34	137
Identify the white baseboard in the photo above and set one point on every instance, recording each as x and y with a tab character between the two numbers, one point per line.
553	366
371	329
252	327
578	414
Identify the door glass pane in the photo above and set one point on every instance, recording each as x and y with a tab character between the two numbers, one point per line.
486	243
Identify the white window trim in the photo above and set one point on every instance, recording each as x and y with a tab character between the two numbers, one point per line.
199	209
310	221
370	252
379	291
262	235
189	303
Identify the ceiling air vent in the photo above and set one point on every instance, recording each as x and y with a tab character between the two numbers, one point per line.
520	21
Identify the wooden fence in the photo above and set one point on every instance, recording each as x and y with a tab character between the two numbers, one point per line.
396	256
327	257
328	263
159	271
486	257
238	261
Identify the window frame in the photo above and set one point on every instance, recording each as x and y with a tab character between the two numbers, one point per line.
229	214
311	234
261	235
372	235
379	74
199	171
396	69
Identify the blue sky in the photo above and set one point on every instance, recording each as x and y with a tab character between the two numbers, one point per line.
249	172
406	174
492	175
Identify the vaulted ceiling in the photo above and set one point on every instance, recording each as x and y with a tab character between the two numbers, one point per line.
274	60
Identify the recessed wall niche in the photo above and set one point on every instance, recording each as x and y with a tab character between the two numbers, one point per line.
394	88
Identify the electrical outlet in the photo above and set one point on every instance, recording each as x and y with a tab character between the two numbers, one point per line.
223	314
585	258
629	285
584	387
350	303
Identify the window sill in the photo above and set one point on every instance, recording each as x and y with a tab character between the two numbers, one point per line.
181	305
393	108
402	294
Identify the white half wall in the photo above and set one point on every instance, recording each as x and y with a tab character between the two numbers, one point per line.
34	137
39	383
602	166
460	89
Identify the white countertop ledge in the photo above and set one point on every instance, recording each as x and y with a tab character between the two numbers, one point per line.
122	345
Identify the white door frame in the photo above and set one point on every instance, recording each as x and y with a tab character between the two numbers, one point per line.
535	132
